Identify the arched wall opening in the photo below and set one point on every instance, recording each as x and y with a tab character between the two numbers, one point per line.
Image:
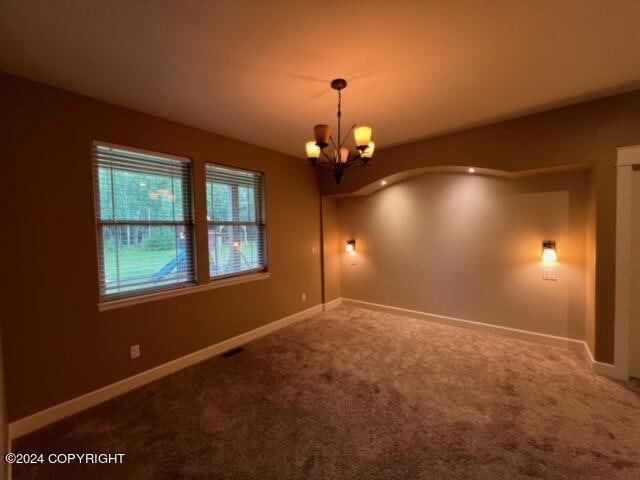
448	243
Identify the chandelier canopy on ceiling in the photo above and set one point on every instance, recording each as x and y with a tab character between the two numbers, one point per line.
324	151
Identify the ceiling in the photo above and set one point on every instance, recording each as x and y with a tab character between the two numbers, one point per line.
259	71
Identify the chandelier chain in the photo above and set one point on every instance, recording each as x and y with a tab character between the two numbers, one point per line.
339	115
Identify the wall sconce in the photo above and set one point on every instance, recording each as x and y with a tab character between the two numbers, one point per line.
350	247
549	253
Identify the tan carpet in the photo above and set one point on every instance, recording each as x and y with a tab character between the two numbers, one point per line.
356	394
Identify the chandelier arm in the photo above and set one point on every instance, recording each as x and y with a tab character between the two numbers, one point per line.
333	143
349	163
329	161
323	160
357	161
347	135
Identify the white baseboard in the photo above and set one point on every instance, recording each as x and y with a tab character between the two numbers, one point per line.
336	302
543	338
604	369
50	415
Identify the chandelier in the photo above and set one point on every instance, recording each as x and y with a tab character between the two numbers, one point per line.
326	152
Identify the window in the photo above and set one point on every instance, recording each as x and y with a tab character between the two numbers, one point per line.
144	220
235	212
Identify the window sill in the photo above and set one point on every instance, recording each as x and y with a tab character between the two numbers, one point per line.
151	297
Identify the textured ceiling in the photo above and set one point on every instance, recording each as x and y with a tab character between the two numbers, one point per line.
259	71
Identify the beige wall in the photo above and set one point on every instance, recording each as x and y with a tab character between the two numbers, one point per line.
634	317
469	247
56	343
587	132
331	243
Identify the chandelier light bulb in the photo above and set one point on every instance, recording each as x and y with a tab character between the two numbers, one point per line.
313	150
362	136
368	152
344	155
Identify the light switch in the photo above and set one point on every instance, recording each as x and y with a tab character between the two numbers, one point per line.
135	351
550	274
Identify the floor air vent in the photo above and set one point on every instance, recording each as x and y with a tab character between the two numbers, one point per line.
232	352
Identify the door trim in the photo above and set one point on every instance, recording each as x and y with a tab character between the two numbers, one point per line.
627	157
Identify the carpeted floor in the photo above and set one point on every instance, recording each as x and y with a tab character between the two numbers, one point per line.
357	394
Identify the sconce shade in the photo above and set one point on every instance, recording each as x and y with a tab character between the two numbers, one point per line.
322	133
313	150
549	253
362	136
350	247
368	152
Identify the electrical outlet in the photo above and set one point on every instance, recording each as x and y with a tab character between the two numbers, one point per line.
135	351
304	297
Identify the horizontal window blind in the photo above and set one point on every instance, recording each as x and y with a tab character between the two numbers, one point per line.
236	217
144	220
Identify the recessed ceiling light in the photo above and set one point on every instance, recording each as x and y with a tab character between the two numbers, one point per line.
471	170
383	183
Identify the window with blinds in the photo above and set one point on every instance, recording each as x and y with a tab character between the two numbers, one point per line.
235	212
144	220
